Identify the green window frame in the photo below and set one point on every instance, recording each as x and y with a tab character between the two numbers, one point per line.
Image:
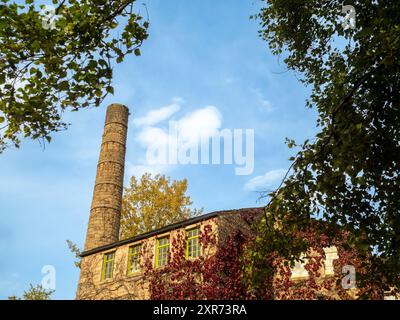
162	250
193	243
134	258
108	266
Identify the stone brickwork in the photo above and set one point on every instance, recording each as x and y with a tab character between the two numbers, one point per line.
105	211
126	286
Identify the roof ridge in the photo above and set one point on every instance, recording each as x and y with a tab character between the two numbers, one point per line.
166	228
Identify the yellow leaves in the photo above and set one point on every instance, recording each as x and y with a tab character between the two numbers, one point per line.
152	203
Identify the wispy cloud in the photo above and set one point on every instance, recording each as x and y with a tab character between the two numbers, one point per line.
266	180
264	104
140	169
178	100
228	80
158	115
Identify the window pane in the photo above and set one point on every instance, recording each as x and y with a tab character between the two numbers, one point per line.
108	265
162	251
134	259
192	243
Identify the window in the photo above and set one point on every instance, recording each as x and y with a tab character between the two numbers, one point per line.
162	249
330	255
192	243
108	266
134	259
299	270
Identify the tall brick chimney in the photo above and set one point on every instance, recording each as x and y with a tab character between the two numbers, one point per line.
105	211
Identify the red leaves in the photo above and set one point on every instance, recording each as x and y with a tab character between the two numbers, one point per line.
218	274
214	275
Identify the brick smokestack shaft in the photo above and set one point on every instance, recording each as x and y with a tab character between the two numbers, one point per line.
105	211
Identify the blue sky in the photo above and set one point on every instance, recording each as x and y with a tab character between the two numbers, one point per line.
204	64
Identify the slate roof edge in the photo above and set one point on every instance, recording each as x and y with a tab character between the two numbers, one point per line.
167	228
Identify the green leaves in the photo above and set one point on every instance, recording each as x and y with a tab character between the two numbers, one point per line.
43	72
35	45
349	174
63	85
35	293
110	90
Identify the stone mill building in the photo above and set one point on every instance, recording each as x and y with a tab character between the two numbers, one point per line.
106	258
110	267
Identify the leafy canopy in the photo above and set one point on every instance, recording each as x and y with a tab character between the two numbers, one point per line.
151	203
349	173
45	71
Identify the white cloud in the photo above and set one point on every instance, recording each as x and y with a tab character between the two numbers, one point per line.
152	135
140	169
157	115
202	123
270	178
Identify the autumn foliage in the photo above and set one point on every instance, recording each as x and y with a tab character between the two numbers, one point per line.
221	272
216	274
154	202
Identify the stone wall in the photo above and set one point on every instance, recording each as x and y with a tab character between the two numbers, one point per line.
123	285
